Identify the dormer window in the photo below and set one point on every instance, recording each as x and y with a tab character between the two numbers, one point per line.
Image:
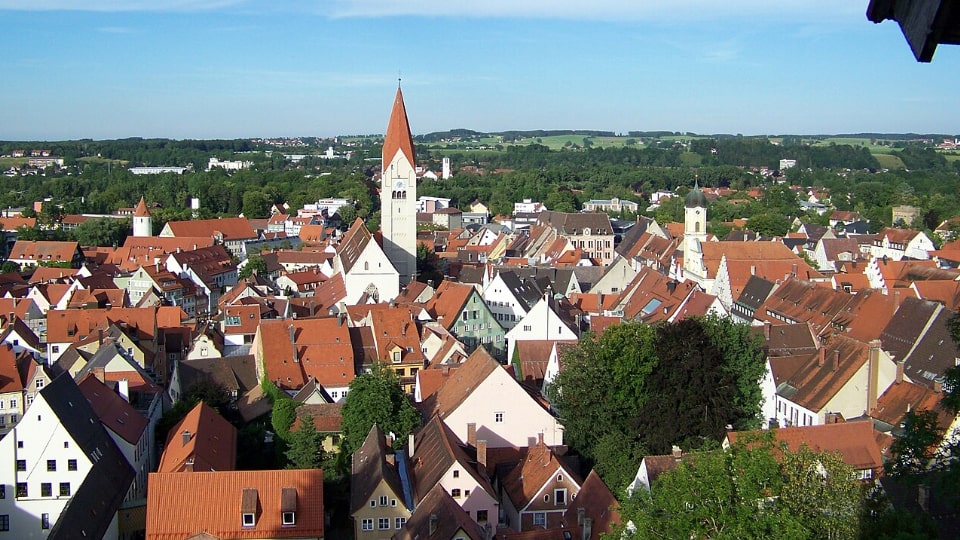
249	520
249	504
288	506
289	518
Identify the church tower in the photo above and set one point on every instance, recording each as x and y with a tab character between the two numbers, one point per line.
398	194
694	234
142	222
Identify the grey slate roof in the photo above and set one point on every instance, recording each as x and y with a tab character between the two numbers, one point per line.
91	509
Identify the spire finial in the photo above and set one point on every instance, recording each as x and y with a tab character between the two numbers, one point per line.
399	78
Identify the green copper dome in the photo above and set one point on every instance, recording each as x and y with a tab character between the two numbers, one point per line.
695	198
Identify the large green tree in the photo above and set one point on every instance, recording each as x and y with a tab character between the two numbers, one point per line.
640	389
755	489
376	398
304	451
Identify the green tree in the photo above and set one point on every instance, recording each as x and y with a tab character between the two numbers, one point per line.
914	448
102	232
428	265
746	492
376	398
255	265
304	451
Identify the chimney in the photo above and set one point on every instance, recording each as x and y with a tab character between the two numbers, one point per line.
123	388
899	372
896	299
446	370
873	374
186	437
796	270
482	453
836	359
433	523
410	445
341	318
587	530
766	330
821	358
677	452
753	269
472	434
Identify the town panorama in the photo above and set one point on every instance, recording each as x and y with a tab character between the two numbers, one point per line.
520	335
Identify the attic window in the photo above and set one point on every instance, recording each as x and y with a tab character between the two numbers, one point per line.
288	505
249	501
249	520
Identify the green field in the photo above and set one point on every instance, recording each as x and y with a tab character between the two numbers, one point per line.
691	159
7	162
95	159
889	161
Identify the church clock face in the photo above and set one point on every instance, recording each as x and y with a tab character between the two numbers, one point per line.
398	185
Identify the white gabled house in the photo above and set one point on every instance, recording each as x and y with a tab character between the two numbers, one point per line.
367	273
541	323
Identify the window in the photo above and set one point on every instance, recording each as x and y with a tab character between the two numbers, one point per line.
540	519
393	502
559	478
21	465
66	444
396	356
4	522
51	465
55	348
46	489
44	521
399	522
481	516
64	489
289	518
248	520
3	491
383	523
367	524
13	404
498	417
527	328
39	384
71	464
21	489
373	503
455	493
456	474
383	500
560	497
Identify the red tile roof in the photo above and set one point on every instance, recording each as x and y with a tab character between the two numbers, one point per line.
856	442
44	250
112	410
323	350
202	441
10	377
461	383
141	209
180	506
527	479
230	228
448	301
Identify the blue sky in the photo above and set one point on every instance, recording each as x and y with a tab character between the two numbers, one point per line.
255	68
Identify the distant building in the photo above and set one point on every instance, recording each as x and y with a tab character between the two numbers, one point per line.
905	214
157	170
228	165
610	205
787	163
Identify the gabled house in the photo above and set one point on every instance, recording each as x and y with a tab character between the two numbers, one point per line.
232	233
281	504
483	393
845	377
291	352
211	270
202	441
830	251
918	336
436	458
439	517
461	310
63	472
856	442
510	298
546	320
379	505
11	390
131	431
651	467
897	244
396	334
29	253
367	273
537	491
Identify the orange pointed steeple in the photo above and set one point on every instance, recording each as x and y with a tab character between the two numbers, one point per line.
398	135
141	209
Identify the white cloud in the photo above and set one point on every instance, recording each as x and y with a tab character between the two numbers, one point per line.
117	5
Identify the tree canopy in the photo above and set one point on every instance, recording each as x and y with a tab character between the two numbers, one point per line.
376	398
640	389
755	489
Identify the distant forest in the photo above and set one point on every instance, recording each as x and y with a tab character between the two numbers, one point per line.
96	178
